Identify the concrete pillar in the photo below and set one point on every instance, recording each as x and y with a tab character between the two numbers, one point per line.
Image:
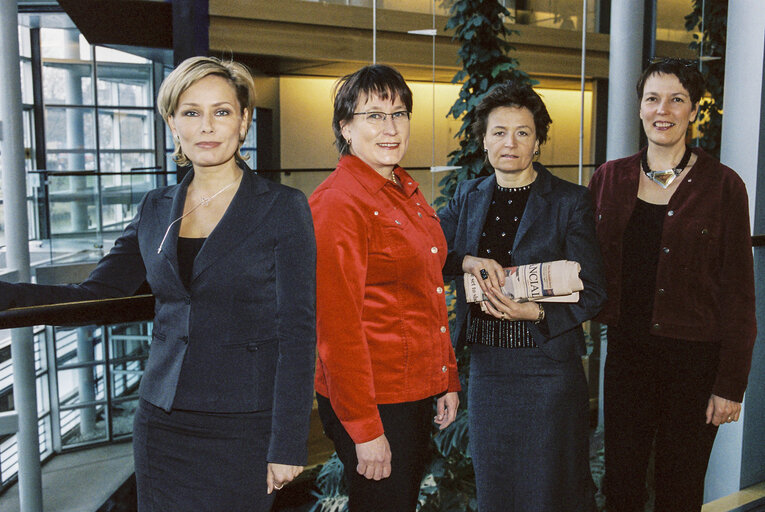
75	131
85	381
738	457
17	247
624	67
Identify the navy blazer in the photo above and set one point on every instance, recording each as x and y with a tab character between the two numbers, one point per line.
558	224
242	338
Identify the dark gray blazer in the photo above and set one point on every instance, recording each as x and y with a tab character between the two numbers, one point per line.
557	224
242	338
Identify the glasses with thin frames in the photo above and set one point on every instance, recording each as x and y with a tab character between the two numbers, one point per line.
378	118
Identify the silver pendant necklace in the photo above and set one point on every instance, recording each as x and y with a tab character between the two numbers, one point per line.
665	178
205	201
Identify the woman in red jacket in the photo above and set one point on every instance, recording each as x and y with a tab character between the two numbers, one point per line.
382	327
673	226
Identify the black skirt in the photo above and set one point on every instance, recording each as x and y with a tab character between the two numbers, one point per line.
187	460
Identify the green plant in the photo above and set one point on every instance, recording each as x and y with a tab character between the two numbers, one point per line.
711	44
480	27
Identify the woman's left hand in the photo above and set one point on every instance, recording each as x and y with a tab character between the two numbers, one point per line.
280	474
721	410
506	308
446	409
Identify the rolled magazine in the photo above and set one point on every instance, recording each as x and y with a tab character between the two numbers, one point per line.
552	281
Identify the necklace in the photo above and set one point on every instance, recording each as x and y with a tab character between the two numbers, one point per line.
204	202
393	178
665	178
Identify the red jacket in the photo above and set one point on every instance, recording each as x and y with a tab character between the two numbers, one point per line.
705	279
382	327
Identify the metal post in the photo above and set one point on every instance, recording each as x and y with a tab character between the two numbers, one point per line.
17	247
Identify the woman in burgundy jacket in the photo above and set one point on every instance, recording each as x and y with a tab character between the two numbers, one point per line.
673	227
382	327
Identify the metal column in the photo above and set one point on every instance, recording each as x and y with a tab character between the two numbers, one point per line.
16	231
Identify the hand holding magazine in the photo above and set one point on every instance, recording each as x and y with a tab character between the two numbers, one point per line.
553	281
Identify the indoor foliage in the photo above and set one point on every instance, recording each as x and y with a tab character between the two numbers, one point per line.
480	28
715	17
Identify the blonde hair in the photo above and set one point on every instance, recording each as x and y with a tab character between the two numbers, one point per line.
191	71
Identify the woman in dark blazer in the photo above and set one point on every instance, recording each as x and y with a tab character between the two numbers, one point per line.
230	257
527	400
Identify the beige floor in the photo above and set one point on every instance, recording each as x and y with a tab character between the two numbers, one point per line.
737	499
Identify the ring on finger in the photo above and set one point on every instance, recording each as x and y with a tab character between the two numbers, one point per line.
277	487
484	274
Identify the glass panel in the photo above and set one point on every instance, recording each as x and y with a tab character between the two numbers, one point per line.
9	457
27	94
78	345
122	417
6	376
67	84
43	398
73	202
124	85
125	129
83	425
80	385
24	42
70	129
670	20
57	43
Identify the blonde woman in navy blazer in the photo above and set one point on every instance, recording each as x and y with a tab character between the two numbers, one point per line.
527	400
230	257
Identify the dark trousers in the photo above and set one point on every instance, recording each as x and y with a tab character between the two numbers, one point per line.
657	390
407	428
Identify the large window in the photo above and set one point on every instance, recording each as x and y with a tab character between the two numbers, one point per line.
108	129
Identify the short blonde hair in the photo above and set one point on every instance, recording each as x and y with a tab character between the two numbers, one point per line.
194	69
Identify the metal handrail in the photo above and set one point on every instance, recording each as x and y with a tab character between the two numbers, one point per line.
104	311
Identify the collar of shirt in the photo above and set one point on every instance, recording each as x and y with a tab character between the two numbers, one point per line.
372	180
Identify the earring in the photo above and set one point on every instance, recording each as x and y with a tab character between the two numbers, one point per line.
177	140
348	141
536	153
486	151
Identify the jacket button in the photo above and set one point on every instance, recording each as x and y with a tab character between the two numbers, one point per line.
704	231
661	291
184	339
671	213
439	290
655	327
419	214
666	250
443	328
443	368
434	250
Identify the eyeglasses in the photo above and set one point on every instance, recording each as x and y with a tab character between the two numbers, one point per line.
378	118
689	63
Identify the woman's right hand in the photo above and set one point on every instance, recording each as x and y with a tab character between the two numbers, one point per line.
494	271
374	458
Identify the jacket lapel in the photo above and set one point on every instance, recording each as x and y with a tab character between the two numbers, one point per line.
477	207
169	208
236	225
537	205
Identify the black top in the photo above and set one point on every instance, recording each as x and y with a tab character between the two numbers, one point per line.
188	248
640	258
499	229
